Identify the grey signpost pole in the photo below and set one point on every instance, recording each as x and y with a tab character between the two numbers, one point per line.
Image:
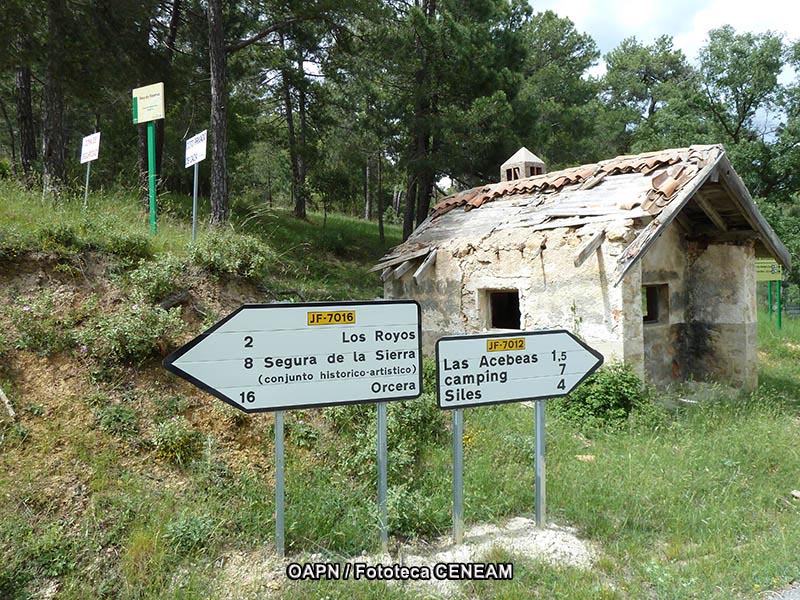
382	459
539	462
86	187
279	469
458	475
194	204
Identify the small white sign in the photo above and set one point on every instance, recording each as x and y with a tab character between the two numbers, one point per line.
90	148
281	356
196	148
490	369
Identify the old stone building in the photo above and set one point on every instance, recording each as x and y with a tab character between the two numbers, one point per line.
649	258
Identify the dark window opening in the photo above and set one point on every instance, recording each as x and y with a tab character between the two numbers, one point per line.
532	171
504	309
655	303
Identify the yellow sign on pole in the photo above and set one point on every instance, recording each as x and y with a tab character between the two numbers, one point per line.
148	103
768	270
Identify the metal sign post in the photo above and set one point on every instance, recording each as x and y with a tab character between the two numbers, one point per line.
539	453
151	173
90	150
475	370
275	357
382	461
458	476
770	271
148	107
195	152
86	186
280	531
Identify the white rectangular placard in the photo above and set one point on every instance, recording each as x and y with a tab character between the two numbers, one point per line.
196	148
90	148
473	370
281	356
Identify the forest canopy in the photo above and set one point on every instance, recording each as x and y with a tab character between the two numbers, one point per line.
366	106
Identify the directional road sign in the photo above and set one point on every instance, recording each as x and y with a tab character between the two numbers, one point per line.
267	357
473	370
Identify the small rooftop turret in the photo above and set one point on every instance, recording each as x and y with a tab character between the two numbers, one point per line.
523	164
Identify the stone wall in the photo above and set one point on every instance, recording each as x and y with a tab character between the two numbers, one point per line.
710	332
553	294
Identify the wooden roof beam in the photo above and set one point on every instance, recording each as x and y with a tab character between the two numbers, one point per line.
589	247
403	269
429	261
741	197
710	211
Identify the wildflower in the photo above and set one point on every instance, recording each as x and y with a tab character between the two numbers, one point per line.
84	349
135	307
26	308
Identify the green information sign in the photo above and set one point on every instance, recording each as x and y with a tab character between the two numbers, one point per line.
148	107
768	270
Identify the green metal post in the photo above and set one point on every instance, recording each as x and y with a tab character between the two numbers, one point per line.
151	169
769	298
780	308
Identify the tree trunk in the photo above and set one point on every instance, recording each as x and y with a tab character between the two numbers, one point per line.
11	137
53	151
301	202
299	206
380	198
25	125
411	205
172	35
219	125
367	199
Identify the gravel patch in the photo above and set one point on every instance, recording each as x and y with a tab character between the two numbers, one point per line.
249	576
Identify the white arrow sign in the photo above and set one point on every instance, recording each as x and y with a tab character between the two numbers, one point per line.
196	148
489	369
279	356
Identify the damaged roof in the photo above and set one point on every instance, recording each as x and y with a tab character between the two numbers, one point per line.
697	186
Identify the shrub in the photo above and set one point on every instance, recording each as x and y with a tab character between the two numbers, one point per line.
190	532
157	280
59	236
177	441
129	247
118	419
605	399
132	334
12	244
40	327
226	253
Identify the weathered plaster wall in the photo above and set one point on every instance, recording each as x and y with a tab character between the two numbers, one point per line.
666	263
722	332
710	334
552	292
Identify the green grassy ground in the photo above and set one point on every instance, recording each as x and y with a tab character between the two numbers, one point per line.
691	501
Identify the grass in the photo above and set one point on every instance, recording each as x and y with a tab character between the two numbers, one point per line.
692	501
